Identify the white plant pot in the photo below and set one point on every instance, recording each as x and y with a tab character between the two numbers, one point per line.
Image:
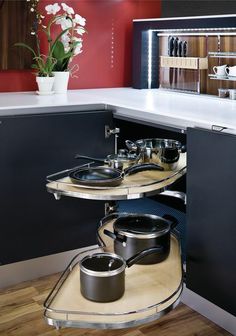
45	84
61	81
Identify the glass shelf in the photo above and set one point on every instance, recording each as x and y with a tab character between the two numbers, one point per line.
225	78
222	54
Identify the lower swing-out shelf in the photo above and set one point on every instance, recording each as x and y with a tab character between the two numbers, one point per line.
150	292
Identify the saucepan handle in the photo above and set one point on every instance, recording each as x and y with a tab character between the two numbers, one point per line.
172	220
137	168
131	145
78	156
114	236
131	261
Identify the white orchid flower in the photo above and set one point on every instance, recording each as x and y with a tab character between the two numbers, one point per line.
67	9
65	39
78	48
65	23
79	20
80	30
53	9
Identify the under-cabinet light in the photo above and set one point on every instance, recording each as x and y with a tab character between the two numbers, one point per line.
150	59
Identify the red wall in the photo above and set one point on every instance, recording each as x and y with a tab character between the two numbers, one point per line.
108	21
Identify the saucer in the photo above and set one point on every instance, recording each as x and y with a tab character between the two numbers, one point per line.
45	93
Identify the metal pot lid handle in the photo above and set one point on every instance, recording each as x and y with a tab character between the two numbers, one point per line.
131	145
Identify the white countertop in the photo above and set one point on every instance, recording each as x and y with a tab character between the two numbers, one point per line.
178	110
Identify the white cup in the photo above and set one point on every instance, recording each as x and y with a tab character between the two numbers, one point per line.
230	70
220	70
232	94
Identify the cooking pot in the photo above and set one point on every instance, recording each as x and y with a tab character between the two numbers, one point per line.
136	232
122	159
165	152
102	176
102	275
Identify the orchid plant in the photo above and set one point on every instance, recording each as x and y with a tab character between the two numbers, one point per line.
64	45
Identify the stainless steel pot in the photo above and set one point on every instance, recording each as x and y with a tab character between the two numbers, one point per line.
164	152
136	232
102	275
121	160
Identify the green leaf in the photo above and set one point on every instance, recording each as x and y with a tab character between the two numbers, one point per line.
25	46
59	51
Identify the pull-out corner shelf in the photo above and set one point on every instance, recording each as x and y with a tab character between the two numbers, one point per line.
143	184
151	291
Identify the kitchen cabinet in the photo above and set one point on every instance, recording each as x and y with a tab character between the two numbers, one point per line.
33	224
211	213
66	306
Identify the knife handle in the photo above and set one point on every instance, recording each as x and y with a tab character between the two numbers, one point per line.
170	45
184	48
176	46
180	48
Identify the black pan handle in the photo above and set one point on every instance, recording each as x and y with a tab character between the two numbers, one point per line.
77	156
113	236
131	261
172	220
137	168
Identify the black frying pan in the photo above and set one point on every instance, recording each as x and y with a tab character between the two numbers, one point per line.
102	176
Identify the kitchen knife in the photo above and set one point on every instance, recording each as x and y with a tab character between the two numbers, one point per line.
170	53
175	52
184	48
170	45
180	71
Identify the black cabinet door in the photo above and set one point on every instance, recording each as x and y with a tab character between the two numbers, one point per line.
211	216
33	223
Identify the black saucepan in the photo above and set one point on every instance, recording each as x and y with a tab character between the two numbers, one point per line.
102	275
102	176
136	232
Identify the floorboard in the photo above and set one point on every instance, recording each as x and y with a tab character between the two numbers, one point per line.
21	314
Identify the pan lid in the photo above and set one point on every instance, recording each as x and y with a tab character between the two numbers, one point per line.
102	264
141	226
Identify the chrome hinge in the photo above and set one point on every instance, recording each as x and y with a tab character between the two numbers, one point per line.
109	131
110	207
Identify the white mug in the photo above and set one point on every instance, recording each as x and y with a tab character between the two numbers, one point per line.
230	70
220	70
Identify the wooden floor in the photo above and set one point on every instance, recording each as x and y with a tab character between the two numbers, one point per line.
21	314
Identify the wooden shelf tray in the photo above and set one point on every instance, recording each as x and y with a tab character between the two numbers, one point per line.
151	291
136	186
197	63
